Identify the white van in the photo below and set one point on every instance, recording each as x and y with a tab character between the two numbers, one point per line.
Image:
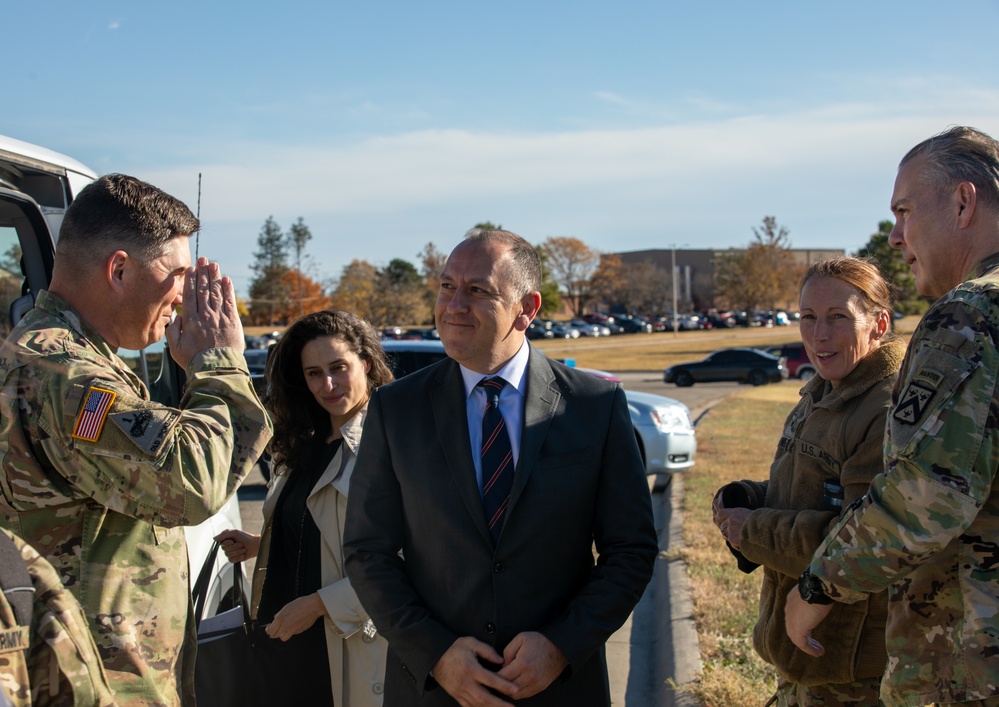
50	178
36	188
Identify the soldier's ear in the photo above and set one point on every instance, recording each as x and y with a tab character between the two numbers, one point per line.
966	198
114	270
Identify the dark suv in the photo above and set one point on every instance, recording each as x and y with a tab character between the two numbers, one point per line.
798	364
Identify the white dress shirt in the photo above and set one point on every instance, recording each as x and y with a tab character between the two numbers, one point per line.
511	404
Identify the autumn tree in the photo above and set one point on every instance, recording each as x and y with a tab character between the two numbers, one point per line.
551	298
432	263
907	300
399	289
355	290
270	263
305	295
572	264
298	235
762	276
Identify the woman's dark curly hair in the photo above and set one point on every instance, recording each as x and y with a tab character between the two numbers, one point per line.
300	423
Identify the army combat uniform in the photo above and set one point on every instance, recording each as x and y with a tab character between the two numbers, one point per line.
100	480
49	659
928	529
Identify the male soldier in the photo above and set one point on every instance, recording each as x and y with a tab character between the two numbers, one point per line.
95	476
928	529
496	590
47	655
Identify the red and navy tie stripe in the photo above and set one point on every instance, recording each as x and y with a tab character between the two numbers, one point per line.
497	458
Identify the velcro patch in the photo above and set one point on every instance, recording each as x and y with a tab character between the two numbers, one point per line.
13	639
913	402
147	428
90	420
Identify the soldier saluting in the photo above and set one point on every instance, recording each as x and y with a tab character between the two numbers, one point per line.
102	498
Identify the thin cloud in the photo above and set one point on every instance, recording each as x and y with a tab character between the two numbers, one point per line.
115	24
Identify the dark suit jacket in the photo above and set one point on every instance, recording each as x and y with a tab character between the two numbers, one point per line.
579	480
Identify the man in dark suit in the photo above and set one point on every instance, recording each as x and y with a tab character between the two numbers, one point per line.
495	595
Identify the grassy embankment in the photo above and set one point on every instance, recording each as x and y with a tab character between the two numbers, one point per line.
735	441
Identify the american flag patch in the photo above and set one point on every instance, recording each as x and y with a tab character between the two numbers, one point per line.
91	419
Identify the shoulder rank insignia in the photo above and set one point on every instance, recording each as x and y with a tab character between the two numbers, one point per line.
913	403
90	421
147	428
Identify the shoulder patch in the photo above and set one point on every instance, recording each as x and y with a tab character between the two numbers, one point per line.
147	428
913	403
90	420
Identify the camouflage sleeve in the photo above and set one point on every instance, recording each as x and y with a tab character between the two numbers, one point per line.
64	667
941	454
163	465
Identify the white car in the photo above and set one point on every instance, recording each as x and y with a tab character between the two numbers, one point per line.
663	428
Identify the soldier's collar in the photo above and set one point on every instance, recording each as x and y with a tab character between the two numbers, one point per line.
57	306
990	263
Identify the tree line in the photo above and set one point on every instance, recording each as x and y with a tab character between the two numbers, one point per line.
764	275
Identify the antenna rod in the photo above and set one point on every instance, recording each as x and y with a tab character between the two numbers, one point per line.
197	234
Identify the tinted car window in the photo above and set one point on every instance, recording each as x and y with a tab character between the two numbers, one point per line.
405	362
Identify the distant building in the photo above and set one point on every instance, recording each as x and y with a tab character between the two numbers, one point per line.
696	269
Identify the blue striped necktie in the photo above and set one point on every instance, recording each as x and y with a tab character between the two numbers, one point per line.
497	458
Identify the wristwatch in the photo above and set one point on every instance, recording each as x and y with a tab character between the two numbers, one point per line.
810	589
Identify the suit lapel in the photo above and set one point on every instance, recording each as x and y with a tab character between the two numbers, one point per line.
541	399
447	398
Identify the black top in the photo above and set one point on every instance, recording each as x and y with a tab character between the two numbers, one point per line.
293	566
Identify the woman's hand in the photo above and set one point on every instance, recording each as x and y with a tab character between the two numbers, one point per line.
237	545
296	616
730	522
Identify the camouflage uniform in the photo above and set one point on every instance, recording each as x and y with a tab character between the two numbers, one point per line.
58	662
928	529
100	480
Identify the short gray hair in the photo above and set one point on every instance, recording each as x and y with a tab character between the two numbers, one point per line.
961	154
525	262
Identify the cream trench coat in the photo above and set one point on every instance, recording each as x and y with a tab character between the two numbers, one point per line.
357	658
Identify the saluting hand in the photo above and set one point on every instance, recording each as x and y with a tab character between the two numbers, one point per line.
210	319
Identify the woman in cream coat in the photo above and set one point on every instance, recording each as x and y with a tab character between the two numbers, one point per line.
320	376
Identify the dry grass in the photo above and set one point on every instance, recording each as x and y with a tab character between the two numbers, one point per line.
654	352
735	441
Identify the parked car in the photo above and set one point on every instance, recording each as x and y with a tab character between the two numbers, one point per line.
798	364
560	331
584	328
537	330
633	325
743	365
36	187
663	428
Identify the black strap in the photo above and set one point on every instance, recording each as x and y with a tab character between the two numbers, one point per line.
15	580
200	590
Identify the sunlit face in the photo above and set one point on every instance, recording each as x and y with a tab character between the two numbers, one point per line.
480	321
151	292
925	230
836	328
336	377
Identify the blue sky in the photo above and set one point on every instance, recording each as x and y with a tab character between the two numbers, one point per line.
385	125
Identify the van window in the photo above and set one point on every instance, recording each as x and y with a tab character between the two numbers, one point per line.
10	274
